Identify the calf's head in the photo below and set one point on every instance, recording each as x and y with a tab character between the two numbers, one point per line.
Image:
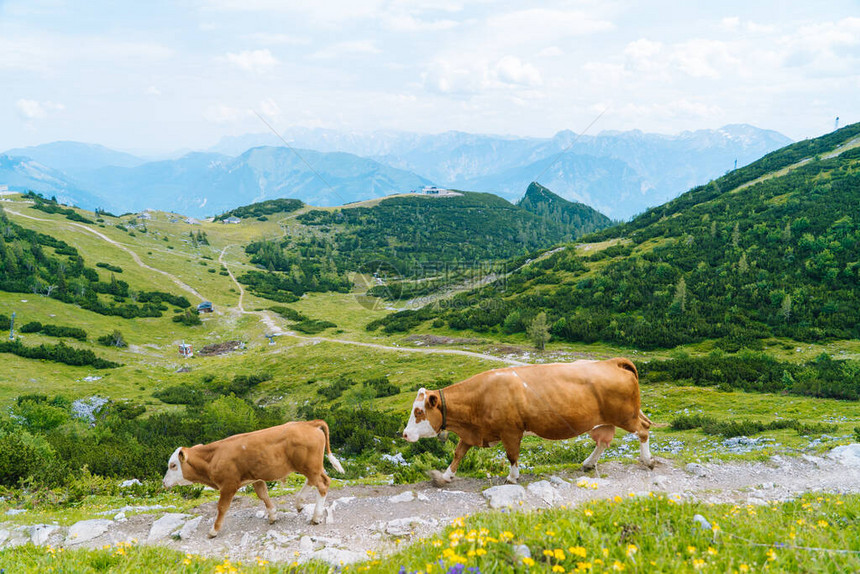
425	417
174	476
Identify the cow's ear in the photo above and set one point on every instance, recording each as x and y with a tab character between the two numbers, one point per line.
432	401
181	455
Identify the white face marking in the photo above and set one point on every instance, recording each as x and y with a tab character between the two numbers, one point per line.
174	475
415	430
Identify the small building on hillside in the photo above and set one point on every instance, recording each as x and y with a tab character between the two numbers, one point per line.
205	307
231	219
186	350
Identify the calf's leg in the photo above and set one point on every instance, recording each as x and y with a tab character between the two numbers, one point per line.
227	493
602	435
263	494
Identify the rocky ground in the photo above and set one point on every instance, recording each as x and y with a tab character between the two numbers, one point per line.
379	518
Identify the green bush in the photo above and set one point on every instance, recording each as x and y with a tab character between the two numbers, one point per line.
226	416
180	395
31	327
23	456
188	318
382	387
114	339
336	389
312	326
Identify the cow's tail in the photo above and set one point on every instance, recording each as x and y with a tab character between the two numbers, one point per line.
323	426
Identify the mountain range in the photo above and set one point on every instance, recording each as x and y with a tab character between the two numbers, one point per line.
618	173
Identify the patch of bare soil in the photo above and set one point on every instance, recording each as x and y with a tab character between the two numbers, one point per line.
432	340
220	348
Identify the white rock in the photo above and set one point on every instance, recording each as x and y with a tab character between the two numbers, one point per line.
280	538
189	528
703	522
86	530
246	539
14	511
756	501
120	517
661	481
849	455
423	497
308	513
767	486
129	483
505	495
407	496
260	514
306	545
326	540
559	482
405	526
522	551
545	491
39	533
335	556
166	525
4	534
696	469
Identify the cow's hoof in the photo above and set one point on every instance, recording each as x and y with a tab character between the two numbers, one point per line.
273	518
510	480
438	479
316	520
587	467
213	533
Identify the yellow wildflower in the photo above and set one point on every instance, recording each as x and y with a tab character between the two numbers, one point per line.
480	551
698	563
558	568
744	568
559	554
577	551
588	512
618	566
528	561
712	551
631	550
548	553
771	555
823	523
691	549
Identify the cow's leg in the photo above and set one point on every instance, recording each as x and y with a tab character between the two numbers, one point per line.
511	443
602	435
640	425
441	479
321	482
227	493
263	494
300	495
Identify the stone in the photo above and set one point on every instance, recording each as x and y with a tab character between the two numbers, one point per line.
39	533
189	528
308	513
129	483
87	530
120	517
696	469
407	496
280	538
756	501
702	521
306	545
559	482
661	481
849	454
335	556
166	525
405	526
522	551
545	491
505	495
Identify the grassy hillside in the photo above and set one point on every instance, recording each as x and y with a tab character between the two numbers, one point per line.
770	250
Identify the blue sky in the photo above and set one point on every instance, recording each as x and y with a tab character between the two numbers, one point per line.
160	76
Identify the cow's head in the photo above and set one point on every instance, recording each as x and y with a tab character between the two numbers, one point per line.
174	476
425	417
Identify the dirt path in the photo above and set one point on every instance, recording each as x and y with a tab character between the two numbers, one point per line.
378	518
179	283
273	329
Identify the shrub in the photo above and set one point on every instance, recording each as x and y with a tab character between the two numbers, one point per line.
60	331
287	313
31	327
23	455
312	326
226	416
180	395
189	318
114	339
336	389
382	387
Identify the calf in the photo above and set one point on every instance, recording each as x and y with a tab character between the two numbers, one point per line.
553	401
255	458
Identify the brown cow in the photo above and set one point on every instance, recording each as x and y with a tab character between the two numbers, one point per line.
254	458
554	401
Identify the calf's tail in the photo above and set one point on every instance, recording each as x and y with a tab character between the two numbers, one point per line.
323	426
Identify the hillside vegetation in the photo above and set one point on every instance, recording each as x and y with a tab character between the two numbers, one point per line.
726	261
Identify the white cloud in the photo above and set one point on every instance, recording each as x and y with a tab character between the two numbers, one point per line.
550	52
702	58
343	49
278	39
35	110
256	61
512	70
153	91
270	109
550	25
224	114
